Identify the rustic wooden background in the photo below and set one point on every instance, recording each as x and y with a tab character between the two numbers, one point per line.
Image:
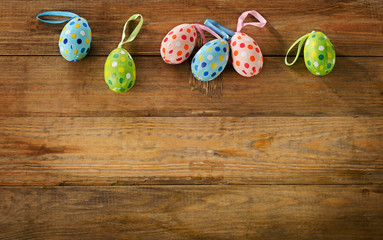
283	155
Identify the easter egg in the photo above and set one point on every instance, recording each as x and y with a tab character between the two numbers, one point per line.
319	54
178	44
75	39
210	60
246	54
119	71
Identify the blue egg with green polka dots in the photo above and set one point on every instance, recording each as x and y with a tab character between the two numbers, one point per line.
210	60
75	39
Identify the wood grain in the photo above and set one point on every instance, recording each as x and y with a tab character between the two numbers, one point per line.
192	212
283	155
354	27
50	86
214	150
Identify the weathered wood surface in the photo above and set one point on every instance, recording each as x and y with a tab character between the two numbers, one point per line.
192	212
282	155
355	27
50	86
213	150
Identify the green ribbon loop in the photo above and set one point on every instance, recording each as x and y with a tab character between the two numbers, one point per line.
301	40
135	32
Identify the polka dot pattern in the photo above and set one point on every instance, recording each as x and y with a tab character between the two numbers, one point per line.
75	39
247	57
178	44
210	60
119	71
319	54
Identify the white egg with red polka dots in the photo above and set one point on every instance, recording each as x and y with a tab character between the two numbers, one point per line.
246	54
178	44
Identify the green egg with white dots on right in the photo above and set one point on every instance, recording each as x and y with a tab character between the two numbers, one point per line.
120	71
319	54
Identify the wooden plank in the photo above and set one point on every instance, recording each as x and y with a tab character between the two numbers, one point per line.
192	212
355	27
49	86
214	150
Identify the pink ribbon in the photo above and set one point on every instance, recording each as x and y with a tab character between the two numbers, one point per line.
262	21
200	29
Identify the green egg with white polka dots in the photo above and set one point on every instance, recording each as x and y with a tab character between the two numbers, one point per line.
319	54
119	71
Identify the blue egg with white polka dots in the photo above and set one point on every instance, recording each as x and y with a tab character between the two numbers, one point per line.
210	60
75	39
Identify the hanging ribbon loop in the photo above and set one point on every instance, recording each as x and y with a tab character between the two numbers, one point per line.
135	32
262	21
221	30
200	29
56	13
301	40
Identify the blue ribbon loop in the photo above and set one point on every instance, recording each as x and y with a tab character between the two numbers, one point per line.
56	13
221	30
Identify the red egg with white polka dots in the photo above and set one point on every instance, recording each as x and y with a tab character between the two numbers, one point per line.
178	44
246	54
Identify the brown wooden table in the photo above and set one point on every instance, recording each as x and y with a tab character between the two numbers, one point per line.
283	155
